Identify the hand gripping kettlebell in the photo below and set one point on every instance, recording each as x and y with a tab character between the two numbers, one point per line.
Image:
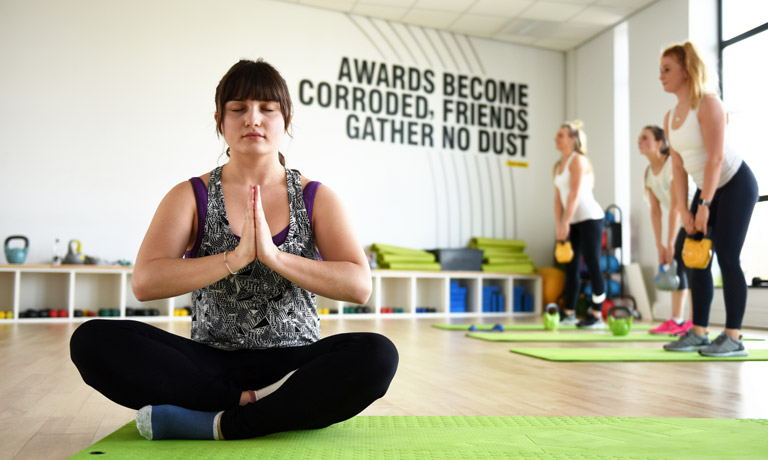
697	251
563	252
667	279
619	320
16	255
551	317
76	256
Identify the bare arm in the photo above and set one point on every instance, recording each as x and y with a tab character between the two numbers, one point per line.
558	207
712	121
674	216
656	223
577	168
160	271
679	184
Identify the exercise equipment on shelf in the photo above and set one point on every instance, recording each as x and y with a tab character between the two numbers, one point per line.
74	256
612	263
16	255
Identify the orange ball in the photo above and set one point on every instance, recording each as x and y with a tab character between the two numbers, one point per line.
552	284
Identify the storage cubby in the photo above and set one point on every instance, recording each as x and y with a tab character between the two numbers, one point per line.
7	280
395	294
495	295
431	295
95	291
44	291
472	298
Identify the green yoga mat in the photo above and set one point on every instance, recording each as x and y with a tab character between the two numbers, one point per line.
525	327
424	266
462	438
629	354
580	336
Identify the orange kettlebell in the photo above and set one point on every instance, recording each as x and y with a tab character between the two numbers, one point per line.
697	252
563	252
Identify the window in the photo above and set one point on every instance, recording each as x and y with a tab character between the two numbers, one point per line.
743	41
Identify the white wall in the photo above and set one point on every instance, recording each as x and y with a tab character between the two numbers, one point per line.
106	105
668	19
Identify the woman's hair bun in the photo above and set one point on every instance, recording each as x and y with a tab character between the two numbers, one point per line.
577	124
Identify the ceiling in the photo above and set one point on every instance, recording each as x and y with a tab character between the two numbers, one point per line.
552	24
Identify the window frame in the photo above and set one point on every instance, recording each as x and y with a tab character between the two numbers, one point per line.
723	44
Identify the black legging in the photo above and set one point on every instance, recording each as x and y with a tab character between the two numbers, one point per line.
683	272
585	238
135	364
729	216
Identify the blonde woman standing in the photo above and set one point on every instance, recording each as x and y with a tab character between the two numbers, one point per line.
579	219
723	203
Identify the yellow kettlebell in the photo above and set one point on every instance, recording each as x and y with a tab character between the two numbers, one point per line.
563	252
697	252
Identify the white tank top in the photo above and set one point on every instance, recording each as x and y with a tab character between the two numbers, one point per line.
587	208
661	185
687	141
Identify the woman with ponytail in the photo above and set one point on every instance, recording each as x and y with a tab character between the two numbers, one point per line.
657	182
578	219
726	193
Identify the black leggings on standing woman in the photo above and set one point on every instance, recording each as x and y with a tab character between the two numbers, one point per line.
135	364
586	238
729	216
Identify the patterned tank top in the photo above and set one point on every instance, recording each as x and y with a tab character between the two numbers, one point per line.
256	307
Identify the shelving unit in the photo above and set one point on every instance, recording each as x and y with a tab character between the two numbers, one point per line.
71	287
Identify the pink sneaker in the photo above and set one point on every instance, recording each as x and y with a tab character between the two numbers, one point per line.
667	327
683	328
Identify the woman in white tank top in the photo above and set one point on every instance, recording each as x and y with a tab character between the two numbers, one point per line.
723	203
657	184
578	218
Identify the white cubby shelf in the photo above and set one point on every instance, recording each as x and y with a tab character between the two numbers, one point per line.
93	287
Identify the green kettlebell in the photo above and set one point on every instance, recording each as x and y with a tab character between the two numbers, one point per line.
551	317
620	325
16	255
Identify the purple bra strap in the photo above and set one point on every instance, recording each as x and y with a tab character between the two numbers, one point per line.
309	198
201	197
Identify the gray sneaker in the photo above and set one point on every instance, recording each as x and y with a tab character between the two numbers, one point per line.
724	346
690	341
569	320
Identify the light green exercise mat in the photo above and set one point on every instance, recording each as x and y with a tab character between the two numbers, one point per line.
463	438
630	354
578	336
526	327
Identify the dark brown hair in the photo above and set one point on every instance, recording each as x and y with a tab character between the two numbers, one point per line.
659	135
253	80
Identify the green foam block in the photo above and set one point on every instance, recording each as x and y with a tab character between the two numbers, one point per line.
629	354
468	438
523	327
580	336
